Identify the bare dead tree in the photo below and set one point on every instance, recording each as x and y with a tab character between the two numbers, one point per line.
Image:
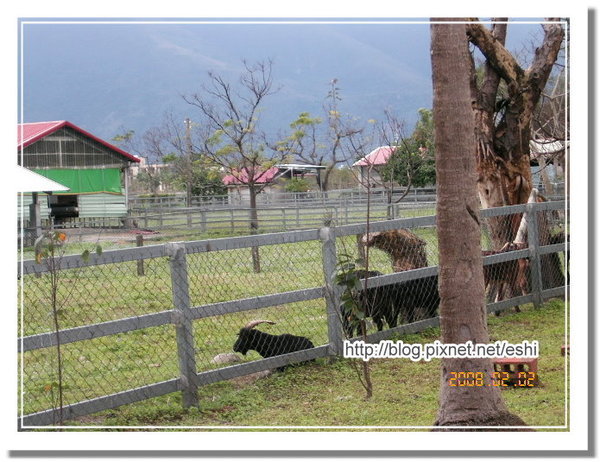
230	135
171	142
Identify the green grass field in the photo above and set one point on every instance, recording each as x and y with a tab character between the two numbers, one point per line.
322	394
109	292
120	362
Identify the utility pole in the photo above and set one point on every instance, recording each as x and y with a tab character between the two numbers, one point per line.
188	153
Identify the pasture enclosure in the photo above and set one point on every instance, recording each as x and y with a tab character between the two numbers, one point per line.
161	222
127	336
163	219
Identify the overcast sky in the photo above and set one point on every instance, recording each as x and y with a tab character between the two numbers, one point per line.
109	77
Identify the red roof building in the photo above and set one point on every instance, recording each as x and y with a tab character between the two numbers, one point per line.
94	170
243	177
368	165
29	133
378	156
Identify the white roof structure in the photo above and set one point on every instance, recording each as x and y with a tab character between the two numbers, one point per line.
28	181
300	167
545	147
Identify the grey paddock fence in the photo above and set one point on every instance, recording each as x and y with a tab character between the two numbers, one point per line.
168	218
185	308
336	197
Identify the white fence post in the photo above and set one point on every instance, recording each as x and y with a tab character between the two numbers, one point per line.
535	262
182	319
332	292
202	221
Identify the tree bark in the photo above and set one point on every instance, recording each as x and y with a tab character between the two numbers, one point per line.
504	128
503	123
461	283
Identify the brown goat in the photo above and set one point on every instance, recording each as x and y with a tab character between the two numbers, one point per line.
406	250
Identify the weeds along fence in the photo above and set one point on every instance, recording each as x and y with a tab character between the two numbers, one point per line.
127	335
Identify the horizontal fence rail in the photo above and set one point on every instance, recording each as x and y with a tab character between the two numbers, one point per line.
187	269
337	196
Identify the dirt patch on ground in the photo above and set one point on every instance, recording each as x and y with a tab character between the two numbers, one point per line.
119	236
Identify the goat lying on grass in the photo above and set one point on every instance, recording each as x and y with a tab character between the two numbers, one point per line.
268	345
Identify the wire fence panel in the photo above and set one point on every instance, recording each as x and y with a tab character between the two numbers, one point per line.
98	367
251	273
553	231
93	295
144	321
241	273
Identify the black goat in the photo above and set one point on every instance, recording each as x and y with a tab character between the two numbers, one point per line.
411	300
419	298
268	345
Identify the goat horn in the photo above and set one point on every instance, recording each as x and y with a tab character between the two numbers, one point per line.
256	322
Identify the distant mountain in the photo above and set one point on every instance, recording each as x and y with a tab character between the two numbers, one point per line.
109	77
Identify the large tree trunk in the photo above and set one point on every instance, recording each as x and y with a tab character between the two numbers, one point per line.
461	283
503	126
503	130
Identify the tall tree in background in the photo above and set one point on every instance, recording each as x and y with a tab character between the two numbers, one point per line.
412	164
462	308
504	128
230	136
504	121
170	144
314	143
171	160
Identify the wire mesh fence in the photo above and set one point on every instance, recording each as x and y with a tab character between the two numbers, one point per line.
102	365
124	325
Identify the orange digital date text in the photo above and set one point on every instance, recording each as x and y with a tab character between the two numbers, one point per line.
497	379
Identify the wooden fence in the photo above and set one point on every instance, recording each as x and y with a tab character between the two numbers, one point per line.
183	313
